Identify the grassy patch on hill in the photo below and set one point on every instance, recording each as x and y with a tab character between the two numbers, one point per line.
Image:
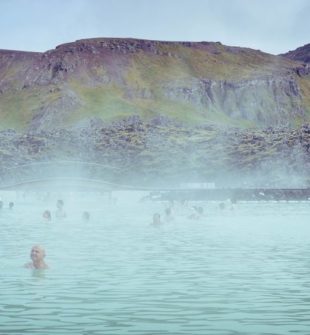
305	91
110	103
222	63
18	108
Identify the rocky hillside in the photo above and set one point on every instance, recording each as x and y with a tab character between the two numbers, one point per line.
159	111
162	152
113	79
301	54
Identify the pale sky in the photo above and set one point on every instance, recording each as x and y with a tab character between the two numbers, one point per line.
273	26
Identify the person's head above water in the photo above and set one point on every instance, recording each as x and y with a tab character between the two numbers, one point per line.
47	215
156	219
60	204
168	211
222	206
37	256
60	213
199	210
11	205
86	216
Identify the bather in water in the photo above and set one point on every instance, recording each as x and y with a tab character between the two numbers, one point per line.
86	216
198	213
156	220
168	215
37	255
60	213
47	215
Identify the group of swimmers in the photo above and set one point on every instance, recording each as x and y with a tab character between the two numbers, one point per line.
11	204
195	212
38	253
60	212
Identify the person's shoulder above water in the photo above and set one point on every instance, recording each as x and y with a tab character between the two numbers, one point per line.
30	265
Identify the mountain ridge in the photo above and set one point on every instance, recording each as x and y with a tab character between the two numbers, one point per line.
301	54
114	78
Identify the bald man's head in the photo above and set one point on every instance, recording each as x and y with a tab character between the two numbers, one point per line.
37	253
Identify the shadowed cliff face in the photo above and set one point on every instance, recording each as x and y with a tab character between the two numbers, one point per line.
112	79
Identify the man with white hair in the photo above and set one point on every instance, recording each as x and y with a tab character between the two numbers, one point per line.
37	255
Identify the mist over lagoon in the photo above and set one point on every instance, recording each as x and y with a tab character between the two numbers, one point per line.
242	268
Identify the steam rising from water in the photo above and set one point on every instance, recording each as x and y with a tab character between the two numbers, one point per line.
83	176
241	269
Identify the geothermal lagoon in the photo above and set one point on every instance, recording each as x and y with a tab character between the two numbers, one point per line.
243	269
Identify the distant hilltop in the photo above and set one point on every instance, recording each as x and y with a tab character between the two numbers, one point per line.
301	54
112	79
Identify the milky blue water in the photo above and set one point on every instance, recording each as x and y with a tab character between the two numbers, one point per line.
241	271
